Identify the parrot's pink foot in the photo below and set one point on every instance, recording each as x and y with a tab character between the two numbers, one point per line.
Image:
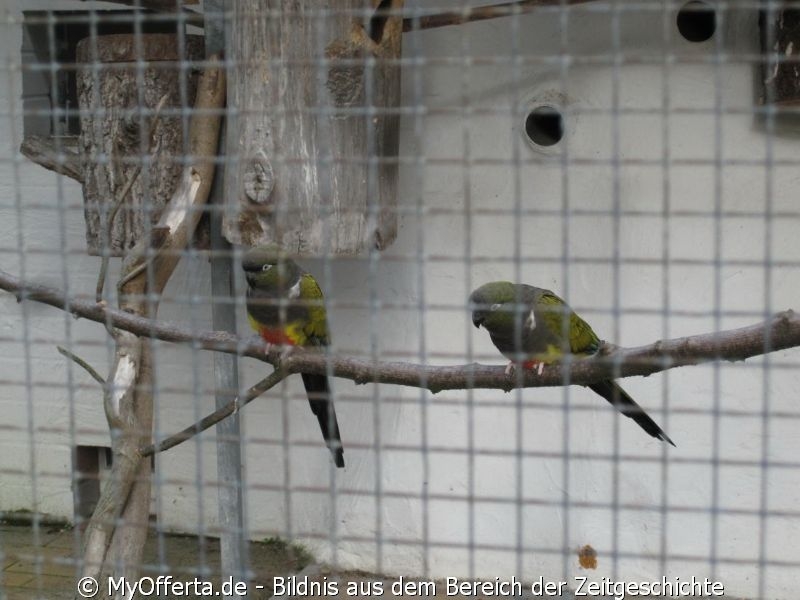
285	350
528	365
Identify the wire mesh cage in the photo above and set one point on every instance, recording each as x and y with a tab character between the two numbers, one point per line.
218	215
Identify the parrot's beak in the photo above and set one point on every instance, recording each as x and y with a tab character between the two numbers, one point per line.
477	319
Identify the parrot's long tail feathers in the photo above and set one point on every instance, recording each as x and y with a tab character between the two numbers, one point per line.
620	400
319	399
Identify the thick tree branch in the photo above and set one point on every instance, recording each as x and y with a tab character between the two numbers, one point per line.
61	157
158	5
780	332
481	13
169	8
128	400
431	21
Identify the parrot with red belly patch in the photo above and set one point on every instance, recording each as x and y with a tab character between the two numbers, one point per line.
285	306
533	326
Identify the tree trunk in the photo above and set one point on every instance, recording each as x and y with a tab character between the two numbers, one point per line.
780	45
118	142
129	395
316	126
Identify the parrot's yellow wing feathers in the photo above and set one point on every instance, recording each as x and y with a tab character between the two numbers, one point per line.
582	339
316	329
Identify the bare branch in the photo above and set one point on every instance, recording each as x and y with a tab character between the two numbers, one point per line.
218	415
82	363
60	157
778	333
158	5
481	13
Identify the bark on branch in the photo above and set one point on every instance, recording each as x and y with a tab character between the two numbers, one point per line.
61	157
780	332
119	523
481	13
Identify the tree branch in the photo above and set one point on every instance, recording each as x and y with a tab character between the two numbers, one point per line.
780	332
254	392
128	400
481	13
82	363
61	157
168	7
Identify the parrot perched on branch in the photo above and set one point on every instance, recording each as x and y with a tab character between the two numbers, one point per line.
533	326
285	306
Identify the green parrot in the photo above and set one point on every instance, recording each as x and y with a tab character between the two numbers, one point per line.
284	305
528	323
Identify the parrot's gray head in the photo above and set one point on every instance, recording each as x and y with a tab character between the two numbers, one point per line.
268	268
493	305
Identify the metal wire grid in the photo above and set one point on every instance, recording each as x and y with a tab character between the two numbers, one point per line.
52	256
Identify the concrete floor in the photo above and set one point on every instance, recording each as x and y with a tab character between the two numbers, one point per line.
42	563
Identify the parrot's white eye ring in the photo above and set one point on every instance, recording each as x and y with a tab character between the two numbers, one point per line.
495	306
266	267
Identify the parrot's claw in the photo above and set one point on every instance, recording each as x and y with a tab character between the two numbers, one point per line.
532	365
528	365
286	352
257	340
285	349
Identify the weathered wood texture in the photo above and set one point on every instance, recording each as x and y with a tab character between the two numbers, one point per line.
59	155
119	523
118	101
315	136
780	44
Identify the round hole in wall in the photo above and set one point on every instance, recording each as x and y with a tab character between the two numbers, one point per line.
697	21
544	126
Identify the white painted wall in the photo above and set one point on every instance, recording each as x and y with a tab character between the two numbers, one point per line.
547	470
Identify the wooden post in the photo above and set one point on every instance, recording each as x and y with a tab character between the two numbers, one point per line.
315	137
233	544
119	154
